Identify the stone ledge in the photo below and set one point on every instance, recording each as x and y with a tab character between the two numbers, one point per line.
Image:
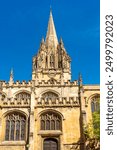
50	133
13	143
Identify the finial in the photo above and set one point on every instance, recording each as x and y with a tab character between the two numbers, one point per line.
51	37
61	41
11	77
80	80
42	41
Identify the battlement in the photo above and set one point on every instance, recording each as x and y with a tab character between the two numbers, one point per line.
4	84
14	102
56	83
57	102
18	83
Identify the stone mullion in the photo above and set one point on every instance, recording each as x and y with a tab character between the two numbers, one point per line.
19	129
45	124
50	124
10	131
15	130
54	124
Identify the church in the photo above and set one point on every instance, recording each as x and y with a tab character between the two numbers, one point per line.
48	112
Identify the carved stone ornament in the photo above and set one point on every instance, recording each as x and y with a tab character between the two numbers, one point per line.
51	73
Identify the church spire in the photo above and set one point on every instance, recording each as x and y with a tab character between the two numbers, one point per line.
11	77
51	37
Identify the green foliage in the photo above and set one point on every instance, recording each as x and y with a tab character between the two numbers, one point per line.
96	124
92	129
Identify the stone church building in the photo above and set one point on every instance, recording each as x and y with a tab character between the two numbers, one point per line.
48	112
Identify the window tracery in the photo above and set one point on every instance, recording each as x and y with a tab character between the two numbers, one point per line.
50	121
95	106
23	95
26	97
49	95
15	127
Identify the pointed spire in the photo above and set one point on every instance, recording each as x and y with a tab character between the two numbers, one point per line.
11	77
80	80
61	41
42	41
51	37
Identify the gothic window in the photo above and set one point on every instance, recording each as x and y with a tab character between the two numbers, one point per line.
23	123
52	61
23	95
26	97
50	121
12	129
15	127
49	95
59	58
58	126
46	61
95	106
7	129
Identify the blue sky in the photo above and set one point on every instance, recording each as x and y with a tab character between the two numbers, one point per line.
24	22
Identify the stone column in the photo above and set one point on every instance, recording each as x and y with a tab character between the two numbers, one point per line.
31	118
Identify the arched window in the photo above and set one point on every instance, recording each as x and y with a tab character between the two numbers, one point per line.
95	104
15	127
52	60
23	96
49	95
50	121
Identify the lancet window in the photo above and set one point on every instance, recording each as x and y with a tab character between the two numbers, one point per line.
52	60
15	127
50	121
95	105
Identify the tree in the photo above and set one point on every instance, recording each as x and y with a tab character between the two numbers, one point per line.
92	131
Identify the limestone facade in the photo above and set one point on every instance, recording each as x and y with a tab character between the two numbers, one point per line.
44	113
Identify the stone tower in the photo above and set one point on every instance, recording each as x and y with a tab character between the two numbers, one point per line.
52	61
45	113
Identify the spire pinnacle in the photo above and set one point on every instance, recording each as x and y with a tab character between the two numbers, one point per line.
11	77
42	40
51	37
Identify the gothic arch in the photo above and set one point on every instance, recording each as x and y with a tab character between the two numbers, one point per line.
19	125
50	120
15	110
49	90
22	91
51	110
92	96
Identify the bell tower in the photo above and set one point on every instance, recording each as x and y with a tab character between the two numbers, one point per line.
52	61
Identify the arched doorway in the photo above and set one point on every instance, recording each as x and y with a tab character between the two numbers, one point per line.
50	144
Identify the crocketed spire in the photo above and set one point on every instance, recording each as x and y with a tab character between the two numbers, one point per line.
51	37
